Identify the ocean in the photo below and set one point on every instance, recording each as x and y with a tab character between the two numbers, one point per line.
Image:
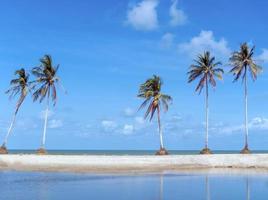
126	152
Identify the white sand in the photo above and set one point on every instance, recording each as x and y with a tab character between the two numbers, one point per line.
88	163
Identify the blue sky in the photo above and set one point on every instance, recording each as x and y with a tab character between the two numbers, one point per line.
106	49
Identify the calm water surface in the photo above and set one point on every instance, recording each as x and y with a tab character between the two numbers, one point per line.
50	186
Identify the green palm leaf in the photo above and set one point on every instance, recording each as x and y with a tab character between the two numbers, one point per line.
46	79
205	69
19	86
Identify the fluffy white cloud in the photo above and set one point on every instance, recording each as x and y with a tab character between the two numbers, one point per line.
108	125
128	129
143	16
255	124
178	17
55	123
167	40
259	123
263	57
203	42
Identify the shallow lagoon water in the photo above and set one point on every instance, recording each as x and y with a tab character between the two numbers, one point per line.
167	186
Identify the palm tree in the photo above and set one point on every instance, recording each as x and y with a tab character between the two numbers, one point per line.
46	77
19	86
205	69
151	92
242	63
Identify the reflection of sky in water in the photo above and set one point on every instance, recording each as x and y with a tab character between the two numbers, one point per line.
47	186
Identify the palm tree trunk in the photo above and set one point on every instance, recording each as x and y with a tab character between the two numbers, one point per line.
160	128
13	120
45	125
246	110
10	129
207	112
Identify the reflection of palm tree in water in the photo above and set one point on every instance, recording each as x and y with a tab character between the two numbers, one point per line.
248	188
207	189
161	195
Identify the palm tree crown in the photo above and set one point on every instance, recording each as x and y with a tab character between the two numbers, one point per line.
46	75
206	69
19	86
242	61
151	91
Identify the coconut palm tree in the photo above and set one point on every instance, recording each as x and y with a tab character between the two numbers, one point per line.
205	69
242	63
19	86
151	92
46	79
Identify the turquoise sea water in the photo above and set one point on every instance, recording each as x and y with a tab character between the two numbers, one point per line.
169	186
125	152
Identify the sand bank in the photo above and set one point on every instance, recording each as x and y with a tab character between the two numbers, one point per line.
91	163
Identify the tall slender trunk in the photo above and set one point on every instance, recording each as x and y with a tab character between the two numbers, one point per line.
13	119
207	112
160	128
246	110
10	129
45	125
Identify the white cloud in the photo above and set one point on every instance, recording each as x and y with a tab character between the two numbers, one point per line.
108	125
255	124
129	112
55	123
228	129
258	123
167	40
203	42
143	16
178	17
263	57
128	129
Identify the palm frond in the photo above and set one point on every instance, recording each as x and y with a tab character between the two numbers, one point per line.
242	61
150	90
46	77
205	68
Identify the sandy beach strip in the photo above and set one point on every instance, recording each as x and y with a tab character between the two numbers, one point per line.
125	164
